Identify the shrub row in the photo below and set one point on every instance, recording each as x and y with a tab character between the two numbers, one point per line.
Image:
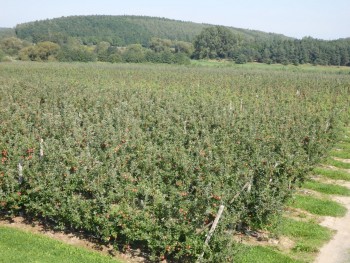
143	156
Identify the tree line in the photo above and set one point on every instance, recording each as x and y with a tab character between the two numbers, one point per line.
220	43
158	51
213	42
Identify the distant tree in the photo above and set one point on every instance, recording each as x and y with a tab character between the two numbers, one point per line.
115	58
345	57
28	53
167	57
134	54
2	55
214	42
40	52
76	53
183	47
266	56
12	45
181	58
241	59
153	57
114	55
102	51
47	49
160	45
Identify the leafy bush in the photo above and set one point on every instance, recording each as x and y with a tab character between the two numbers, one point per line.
75	53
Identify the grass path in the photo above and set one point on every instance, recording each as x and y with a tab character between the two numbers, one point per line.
21	246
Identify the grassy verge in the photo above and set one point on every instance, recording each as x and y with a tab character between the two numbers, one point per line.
337	163
340	154
333	174
318	206
343	146
327	188
248	254
19	246
308	237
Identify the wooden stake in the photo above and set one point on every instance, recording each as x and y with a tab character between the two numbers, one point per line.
247	185
20	172
212	229
41	148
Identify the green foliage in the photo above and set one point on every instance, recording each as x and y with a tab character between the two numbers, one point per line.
2	55
11	46
19	246
241	59
7	32
102	50
318	206
142	156
327	188
160	45
43	51
119	30
134	54
214	42
183	47
75	53
210	41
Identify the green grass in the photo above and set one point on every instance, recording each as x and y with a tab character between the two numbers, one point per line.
327	188
308	237
318	206
332	174
338	164
343	145
249	254
19	246
340	154
346	138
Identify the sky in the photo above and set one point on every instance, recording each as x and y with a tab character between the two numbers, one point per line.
324	19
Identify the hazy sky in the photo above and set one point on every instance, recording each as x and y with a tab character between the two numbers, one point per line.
326	19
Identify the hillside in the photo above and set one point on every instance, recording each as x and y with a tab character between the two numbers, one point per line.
121	30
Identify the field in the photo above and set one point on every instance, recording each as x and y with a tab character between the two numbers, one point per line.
142	156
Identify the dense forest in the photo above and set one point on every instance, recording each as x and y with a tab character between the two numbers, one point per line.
219	42
119	30
140	39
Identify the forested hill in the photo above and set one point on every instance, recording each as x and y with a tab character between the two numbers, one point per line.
121	30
